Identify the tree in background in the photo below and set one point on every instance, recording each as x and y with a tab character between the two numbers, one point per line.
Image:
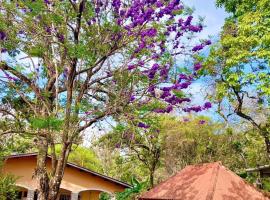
8	189
137	142
239	65
171	144
66	65
84	157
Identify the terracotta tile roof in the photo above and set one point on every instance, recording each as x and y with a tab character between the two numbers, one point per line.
210	181
77	167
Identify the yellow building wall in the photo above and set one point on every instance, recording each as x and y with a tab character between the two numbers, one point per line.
90	195
75	180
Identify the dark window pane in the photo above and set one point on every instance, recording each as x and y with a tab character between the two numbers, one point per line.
25	194
64	197
35	196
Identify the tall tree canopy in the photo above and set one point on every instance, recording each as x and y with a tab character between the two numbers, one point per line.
239	65
66	65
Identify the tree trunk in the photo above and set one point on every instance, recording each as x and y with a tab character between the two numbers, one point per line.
152	175
49	187
151	179
41	171
59	172
267	143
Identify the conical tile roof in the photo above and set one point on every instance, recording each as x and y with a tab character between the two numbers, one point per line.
211	181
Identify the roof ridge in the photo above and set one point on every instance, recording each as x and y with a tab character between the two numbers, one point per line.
211	191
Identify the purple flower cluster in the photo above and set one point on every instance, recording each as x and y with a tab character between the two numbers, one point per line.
132	98
3	50
116	5
193	108
201	46
60	37
206	106
3	35
131	67
48	2
201	122
138	21
152	72
197	66
143	125
151	32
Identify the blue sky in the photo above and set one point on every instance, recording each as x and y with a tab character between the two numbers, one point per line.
214	17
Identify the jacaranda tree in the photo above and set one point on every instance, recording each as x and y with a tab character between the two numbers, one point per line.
71	64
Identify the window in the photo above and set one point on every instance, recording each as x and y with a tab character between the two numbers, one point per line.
64	197
36	196
19	195
25	194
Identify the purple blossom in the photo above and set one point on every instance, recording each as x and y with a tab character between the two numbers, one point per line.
195	29
151	90
201	122
47	2
155	67
186	120
97	10
164	72
207	105
198	47
194	108
151	32
149	12
183	77
3	50
159	4
151	74
188	21
131	67
197	66
181	85
155	56
116	4
175	100
132	98
3	35
165	94
169	109
159	110
48	30
61	37
21	32
166	89
122	13
208	42
143	125
88	112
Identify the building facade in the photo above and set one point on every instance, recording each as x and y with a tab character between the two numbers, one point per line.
78	183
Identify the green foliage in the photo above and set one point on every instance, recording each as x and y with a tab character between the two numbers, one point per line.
242	56
131	193
104	196
49	123
8	190
84	157
180	143
239	65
